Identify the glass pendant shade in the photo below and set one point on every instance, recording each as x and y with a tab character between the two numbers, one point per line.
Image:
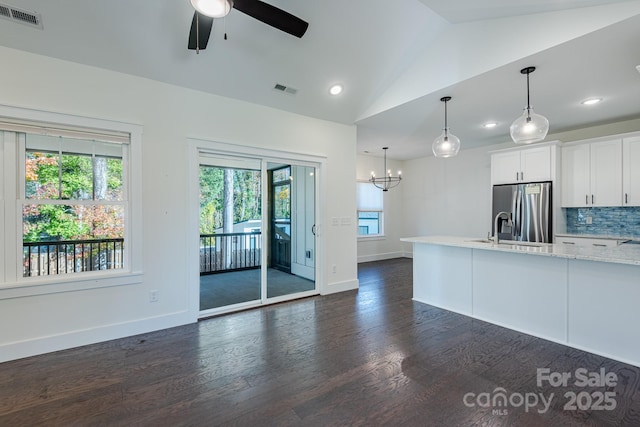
213	8
446	145
529	127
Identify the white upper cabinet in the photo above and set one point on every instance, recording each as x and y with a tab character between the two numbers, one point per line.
592	174
524	165
631	171
575	175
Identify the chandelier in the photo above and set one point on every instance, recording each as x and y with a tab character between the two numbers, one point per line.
387	181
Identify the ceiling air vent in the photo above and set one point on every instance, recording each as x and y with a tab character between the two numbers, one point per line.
11	13
286	89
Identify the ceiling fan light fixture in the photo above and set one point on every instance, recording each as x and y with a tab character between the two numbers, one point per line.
447	144
529	127
336	89
213	8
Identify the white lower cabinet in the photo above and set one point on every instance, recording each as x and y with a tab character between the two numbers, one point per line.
587	241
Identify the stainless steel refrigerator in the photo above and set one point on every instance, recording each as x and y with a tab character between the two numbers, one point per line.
529	209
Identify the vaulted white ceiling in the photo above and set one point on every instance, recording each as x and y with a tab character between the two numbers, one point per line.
395	59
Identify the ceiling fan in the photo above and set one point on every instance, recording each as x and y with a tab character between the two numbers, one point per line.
208	10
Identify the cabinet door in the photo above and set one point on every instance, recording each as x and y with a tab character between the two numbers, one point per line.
535	164
631	171
606	173
505	167
575	176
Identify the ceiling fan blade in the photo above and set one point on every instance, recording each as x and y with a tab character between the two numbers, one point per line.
272	16
200	31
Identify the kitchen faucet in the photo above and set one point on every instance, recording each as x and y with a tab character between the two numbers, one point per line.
495	225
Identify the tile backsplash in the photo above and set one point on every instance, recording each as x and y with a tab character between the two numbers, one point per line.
617	221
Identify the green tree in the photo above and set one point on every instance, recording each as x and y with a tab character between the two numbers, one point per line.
72	176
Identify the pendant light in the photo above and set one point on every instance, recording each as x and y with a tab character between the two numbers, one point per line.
387	181
529	127
447	144
213	8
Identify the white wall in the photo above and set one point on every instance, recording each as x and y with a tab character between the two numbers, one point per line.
169	116
449	196
388	246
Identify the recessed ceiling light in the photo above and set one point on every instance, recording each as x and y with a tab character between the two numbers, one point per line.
591	101
336	89
490	125
638	68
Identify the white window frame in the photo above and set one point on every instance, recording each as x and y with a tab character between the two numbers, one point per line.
367	207
12	284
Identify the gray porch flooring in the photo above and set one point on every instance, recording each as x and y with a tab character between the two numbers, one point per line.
219	290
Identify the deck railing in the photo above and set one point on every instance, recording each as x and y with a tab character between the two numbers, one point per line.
71	256
223	252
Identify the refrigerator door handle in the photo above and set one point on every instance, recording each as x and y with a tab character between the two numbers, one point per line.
515	212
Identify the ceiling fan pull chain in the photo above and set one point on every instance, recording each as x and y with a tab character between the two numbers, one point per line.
225	26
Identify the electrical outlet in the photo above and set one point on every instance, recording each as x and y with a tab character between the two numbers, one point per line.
153	296
334	269
589	220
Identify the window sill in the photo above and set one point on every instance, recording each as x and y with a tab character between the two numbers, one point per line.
69	283
372	238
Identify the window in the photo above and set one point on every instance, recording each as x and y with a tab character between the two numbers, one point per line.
68	220
370	210
73	205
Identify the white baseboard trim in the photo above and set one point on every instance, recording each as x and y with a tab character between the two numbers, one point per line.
348	285
380	257
48	344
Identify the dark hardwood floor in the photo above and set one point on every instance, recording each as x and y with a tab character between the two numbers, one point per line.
372	357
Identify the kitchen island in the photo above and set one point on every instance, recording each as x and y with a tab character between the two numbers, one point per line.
583	297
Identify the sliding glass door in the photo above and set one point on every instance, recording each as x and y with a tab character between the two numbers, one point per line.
257	232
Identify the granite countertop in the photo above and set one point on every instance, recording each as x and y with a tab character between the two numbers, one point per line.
622	254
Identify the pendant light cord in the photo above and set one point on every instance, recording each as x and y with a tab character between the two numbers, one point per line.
445	116
385	161
528	100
